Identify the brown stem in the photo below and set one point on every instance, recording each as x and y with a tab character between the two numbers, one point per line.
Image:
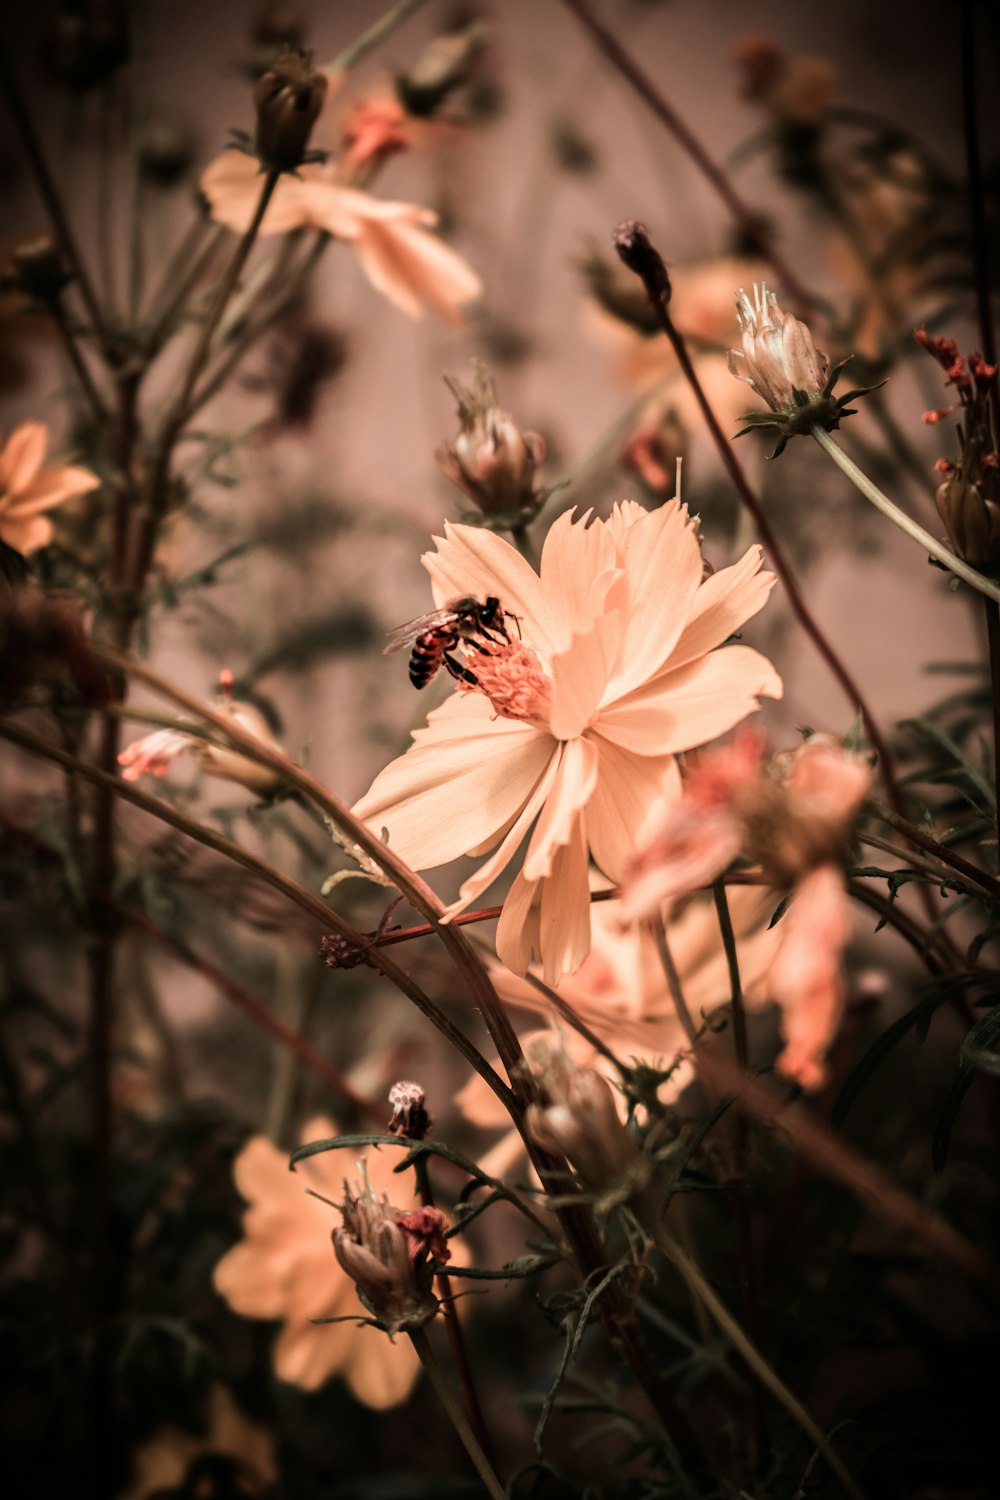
993	635
76	359
50	194
977	200
947	856
748	221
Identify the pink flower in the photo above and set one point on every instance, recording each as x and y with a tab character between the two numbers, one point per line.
285	1268
408	265
796	818
573	726
28	489
154	753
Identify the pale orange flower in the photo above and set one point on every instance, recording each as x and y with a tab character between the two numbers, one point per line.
28	488
411	267
796	817
574	724
155	753
621	994
285	1268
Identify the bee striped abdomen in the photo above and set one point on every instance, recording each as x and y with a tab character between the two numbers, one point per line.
425	658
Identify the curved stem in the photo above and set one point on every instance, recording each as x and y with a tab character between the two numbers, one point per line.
445	1394
905	523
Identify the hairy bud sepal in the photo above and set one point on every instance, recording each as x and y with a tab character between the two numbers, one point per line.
785	368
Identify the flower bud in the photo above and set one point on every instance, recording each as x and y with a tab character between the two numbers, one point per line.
289	98
972	521
388	1255
445	64
578	1119
492	460
409	1112
39	269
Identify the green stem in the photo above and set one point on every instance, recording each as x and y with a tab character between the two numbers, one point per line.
372	38
750	1354
899	518
453	1407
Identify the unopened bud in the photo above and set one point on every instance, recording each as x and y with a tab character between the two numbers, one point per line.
389	1256
577	1118
39	269
289	98
409	1111
972	521
492	460
636	250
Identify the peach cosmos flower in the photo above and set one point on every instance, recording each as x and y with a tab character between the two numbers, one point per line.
408	265
796	817
621	994
615	665
154	754
285	1268
28	489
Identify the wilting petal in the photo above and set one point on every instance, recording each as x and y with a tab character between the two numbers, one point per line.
723	603
626	789
806	977
448	794
691	706
470	561
662	561
22	456
575	780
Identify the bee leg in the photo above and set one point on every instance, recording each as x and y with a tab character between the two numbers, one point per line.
460	672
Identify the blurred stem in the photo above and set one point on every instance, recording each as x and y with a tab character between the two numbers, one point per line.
906	524
453	1327
76	359
325	915
372	38
733	965
749	222
105	202
749	1353
50	193
977	201
445	1394
674	985
182	274
993	635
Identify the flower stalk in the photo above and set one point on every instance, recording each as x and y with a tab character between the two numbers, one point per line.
453	1407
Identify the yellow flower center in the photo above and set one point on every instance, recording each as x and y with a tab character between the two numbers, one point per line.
514	679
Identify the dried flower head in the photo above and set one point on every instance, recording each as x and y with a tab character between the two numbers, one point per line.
785	368
288	98
492	460
968	498
389	1254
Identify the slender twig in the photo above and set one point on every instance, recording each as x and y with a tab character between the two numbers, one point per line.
940	874
456	1415
941	852
977	202
80	367
180	278
993	636
733	965
899	518
674	984
50	194
748	221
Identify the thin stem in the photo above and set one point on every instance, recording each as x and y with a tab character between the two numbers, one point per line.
733	965
988	883
674	985
453	1407
372	38
941	874
80	367
323	914
906	524
453	1327
50	194
750	1354
643	85
977	201
182	275
993	635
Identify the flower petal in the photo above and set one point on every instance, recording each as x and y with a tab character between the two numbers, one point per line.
232	184
661	556
472	561
574	782
26	536
678	710
499	861
576	552
381	1373
517	930
411	267
627	786
806	978
451	790
564	919
580	673
22	457
51	487
723	603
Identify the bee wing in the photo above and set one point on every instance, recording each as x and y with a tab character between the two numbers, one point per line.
405	635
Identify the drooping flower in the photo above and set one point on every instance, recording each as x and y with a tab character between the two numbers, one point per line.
155	753
621	995
411	267
28	489
285	1269
389	1253
615	663
796	818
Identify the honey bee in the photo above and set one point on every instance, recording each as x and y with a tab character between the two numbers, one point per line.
435	637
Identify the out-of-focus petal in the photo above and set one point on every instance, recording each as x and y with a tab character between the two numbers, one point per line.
691	848
50	488
22	456
722	604
447	795
697	703
26	536
232	184
471	561
382	1374
412	267
806	977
